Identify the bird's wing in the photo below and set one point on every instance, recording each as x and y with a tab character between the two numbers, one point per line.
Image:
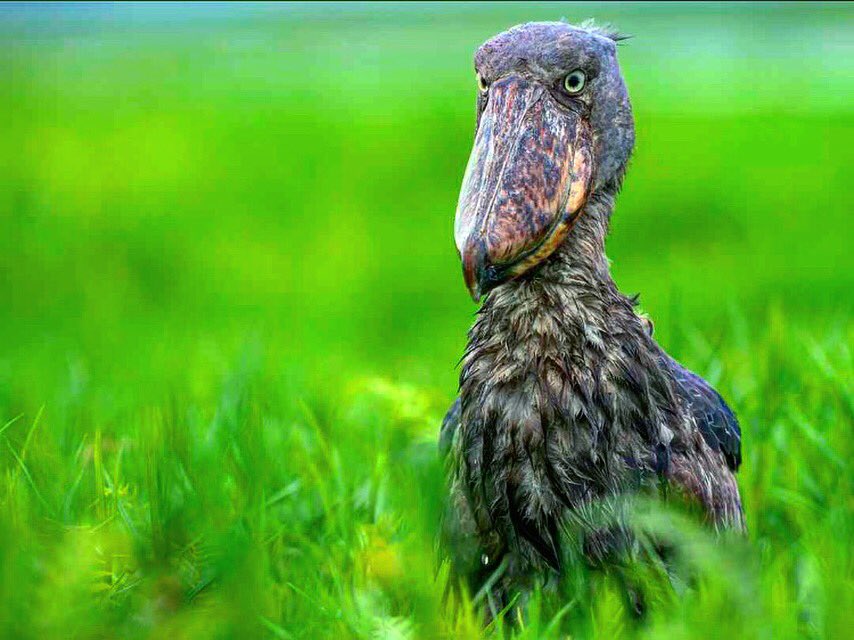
449	428
715	419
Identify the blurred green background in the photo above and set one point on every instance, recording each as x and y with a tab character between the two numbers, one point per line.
198	199
181	176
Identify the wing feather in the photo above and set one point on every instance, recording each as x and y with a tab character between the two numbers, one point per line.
715	419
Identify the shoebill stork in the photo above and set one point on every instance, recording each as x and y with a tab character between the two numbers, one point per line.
566	400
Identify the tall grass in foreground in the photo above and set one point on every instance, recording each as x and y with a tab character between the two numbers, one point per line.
255	509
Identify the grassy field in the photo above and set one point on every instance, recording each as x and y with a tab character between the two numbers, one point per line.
231	309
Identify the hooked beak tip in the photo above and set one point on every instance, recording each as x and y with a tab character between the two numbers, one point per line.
473	256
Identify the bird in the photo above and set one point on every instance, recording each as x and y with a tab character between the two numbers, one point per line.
566	401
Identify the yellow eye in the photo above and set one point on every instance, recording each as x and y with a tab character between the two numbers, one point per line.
482	85
574	81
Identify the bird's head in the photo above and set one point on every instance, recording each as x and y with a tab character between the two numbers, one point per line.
554	124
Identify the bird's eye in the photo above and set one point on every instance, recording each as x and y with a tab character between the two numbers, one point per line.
482	84
574	81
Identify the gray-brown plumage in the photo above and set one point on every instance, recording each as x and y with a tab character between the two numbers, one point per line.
566	401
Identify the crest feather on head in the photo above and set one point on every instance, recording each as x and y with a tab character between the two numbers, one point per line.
605	30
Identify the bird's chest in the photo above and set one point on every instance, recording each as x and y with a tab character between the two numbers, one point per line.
556	414
539	433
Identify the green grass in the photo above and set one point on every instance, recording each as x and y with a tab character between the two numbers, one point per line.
230	312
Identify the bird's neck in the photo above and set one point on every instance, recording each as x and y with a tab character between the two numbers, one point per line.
562	333
574	281
568	309
580	262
